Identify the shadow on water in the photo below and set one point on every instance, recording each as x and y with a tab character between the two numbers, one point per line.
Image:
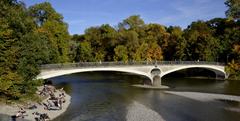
200	80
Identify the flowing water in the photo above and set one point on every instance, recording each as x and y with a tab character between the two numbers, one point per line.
106	96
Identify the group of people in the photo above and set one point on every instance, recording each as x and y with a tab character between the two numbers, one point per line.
20	114
53	102
38	116
47	90
41	116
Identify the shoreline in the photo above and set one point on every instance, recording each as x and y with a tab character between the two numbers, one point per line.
11	110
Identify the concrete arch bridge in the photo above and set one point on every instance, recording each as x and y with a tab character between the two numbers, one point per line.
153	70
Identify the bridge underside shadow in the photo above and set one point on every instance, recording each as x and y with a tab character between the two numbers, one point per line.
146	79
196	72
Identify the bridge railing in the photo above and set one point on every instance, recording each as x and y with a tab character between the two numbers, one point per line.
121	63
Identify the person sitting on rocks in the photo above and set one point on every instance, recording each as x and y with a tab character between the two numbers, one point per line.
31	106
45	106
50	105
44	91
22	110
41	117
61	97
52	97
44	117
60	104
19	114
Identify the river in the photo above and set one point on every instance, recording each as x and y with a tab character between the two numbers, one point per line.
107	96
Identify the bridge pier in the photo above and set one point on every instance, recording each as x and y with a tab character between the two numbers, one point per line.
157	81
156	78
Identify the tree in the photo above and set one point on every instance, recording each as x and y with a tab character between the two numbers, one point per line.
20	54
141	52
228	34
233	69
121	53
156	33
177	44
84	52
154	52
44	12
131	23
34	52
233	9
103	39
201	45
50	23
131	42
74	45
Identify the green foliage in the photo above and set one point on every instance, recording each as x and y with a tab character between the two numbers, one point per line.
233	69
201	45
177	44
141	52
131	23
233	9
103	40
84	52
25	45
121	53
43	13
50	23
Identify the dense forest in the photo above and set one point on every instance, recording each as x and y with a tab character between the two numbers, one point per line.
36	35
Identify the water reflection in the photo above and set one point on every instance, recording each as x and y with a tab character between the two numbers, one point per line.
203	85
232	87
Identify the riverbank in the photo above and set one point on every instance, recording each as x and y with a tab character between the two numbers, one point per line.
13	109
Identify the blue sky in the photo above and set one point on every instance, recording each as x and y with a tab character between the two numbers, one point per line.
81	14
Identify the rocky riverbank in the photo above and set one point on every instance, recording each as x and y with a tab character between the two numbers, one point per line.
40	108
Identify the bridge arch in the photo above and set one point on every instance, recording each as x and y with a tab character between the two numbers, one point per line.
215	69
56	73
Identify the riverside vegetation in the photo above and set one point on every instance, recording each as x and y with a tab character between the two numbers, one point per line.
36	35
